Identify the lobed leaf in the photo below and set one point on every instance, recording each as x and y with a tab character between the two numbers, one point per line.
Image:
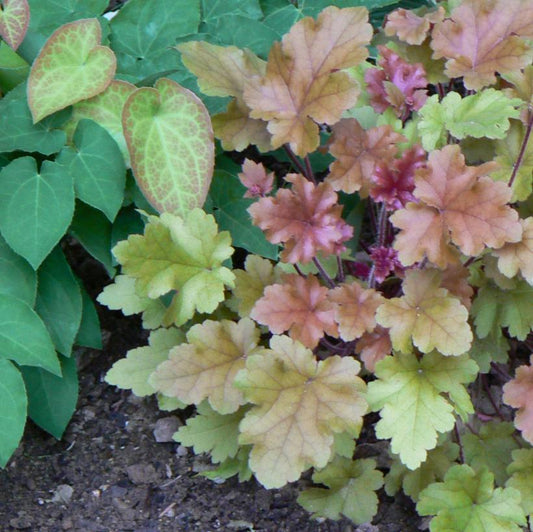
521	476
300	405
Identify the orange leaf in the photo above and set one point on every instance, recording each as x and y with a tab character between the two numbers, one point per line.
409	27
481	38
303	84
357	152
374	346
459	205
355	309
300	305
518	393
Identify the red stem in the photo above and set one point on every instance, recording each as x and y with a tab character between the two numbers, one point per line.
522	152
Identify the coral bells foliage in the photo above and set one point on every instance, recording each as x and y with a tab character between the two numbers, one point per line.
407	251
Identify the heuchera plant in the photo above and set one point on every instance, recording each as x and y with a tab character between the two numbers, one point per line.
398	190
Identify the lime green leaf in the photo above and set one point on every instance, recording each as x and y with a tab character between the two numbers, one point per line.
427	316
212	432
52	399
93	231
59	302
432	124
205	366
494	307
14	20
72	66
143	34
437	463
183	255
35	207
300	404
13	405
122	295
168	404
352	490
493	348
230	211
13	69
89	333
17	130
491	448
521	471
17	277
408	393
132	372
232	466
467	502
170	140
106	110
97	168
24	338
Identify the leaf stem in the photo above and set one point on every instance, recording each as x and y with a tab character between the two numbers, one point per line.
382	225
340	270
460	443
522	152
298	165
329	281
309	170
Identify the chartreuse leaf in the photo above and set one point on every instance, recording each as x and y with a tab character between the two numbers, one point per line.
408	392
36	207
52	399
97	168
132	372
205	366
59	302
181	255
521	476
13	69
300	405
13	405
494	307
106	110
14	20
427	316
232	466
491	448
171	144
467	502
17	130
433	469
122	295
72	66
351	490
23	336
212	432
17	277
143	34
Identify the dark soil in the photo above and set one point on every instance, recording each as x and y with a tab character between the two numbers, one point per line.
108	473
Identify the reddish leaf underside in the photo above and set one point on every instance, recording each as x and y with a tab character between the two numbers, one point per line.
14	21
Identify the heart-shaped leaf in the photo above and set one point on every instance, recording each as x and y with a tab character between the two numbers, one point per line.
14	20
170	140
36	208
72	66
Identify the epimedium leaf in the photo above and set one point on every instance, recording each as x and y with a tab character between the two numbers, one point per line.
52	399
89	333
133	372
106	110
494	307
299	305
408	393
25	339
97	168
170	140
304	84
212	432
13	69
36	207
215	9
13	407
143	34
14	20
300	404
17	277
351	490
466	501
205	366
59	301
72	66
183	255
17	130
230	211
426	316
